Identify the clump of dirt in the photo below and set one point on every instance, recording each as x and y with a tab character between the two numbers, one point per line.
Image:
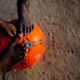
60	21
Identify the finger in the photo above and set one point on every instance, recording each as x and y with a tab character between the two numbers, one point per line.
17	38
21	51
13	32
21	30
28	30
10	34
13	27
20	47
25	32
20	35
31	28
23	44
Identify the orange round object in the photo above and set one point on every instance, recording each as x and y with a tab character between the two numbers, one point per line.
36	45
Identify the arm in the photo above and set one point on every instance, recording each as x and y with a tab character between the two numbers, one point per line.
23	16
13	55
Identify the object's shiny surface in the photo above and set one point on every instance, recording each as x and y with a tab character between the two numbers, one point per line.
4	42
36	45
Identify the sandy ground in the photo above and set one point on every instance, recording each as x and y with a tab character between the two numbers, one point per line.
60	21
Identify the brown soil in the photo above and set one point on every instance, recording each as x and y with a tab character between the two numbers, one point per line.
60	21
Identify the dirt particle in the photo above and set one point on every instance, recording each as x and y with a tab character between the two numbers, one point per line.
43	72
47	34
72	51
49	63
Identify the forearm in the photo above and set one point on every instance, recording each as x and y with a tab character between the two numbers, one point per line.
5	64
23	11
8	61
21	4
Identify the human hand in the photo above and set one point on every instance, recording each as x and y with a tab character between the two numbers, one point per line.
13	55
24	22
23	29
9	28
17	49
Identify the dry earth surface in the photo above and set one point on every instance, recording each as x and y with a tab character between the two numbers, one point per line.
60	21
